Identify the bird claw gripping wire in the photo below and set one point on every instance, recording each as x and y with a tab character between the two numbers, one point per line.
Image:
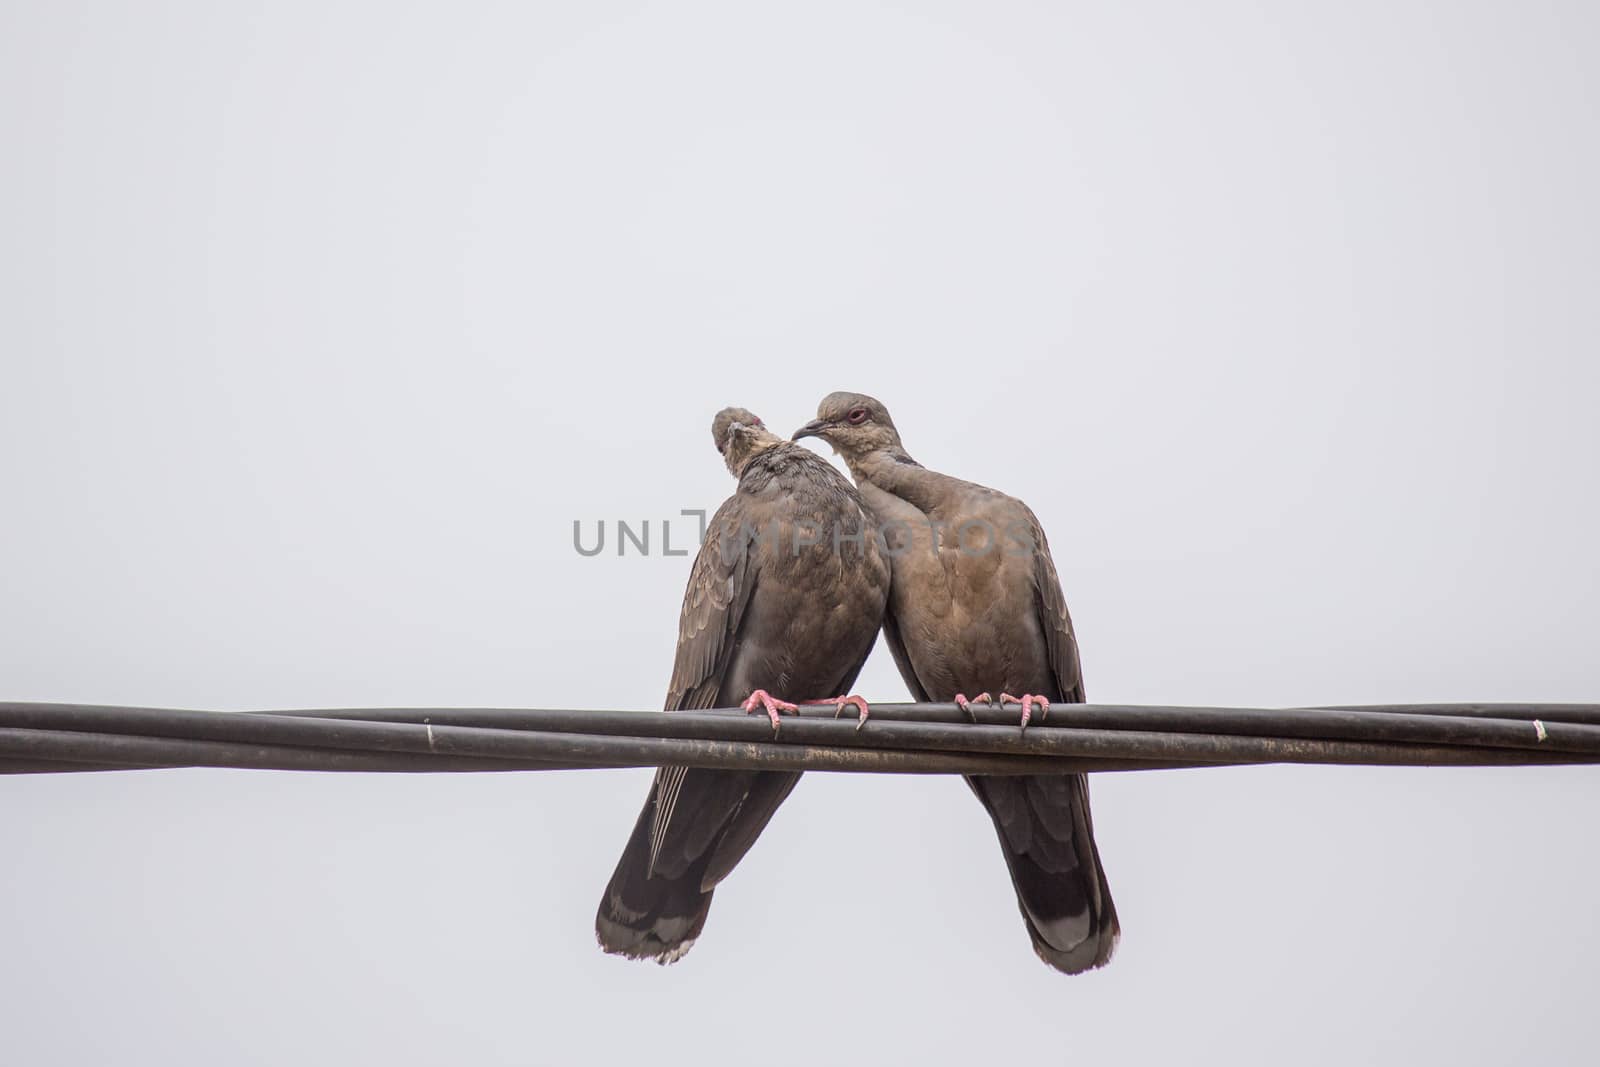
1026	700
965	704
770	704
842	702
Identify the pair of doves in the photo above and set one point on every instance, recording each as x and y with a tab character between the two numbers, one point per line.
798	572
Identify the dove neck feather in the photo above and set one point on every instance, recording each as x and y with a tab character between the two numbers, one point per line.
748	448
896	473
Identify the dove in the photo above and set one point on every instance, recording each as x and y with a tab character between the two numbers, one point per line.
785	599
976	608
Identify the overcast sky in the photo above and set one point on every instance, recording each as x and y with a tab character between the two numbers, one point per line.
323	322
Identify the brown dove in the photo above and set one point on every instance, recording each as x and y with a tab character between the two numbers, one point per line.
976	608
785	597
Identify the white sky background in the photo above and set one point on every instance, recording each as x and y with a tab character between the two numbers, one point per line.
322	324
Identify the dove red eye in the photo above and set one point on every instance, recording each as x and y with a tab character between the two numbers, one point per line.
857	416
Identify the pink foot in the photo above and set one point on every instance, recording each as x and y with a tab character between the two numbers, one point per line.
1027	700
966	705
771	704
844	702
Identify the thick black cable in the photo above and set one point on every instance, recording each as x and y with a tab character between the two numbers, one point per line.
930	739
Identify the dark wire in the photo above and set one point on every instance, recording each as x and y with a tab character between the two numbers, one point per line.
899	738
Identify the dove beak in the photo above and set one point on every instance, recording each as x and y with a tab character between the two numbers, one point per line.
814	428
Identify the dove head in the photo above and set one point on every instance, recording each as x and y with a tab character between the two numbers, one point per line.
854	424
740	436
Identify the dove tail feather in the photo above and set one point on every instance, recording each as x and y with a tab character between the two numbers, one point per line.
650	917
1048	839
